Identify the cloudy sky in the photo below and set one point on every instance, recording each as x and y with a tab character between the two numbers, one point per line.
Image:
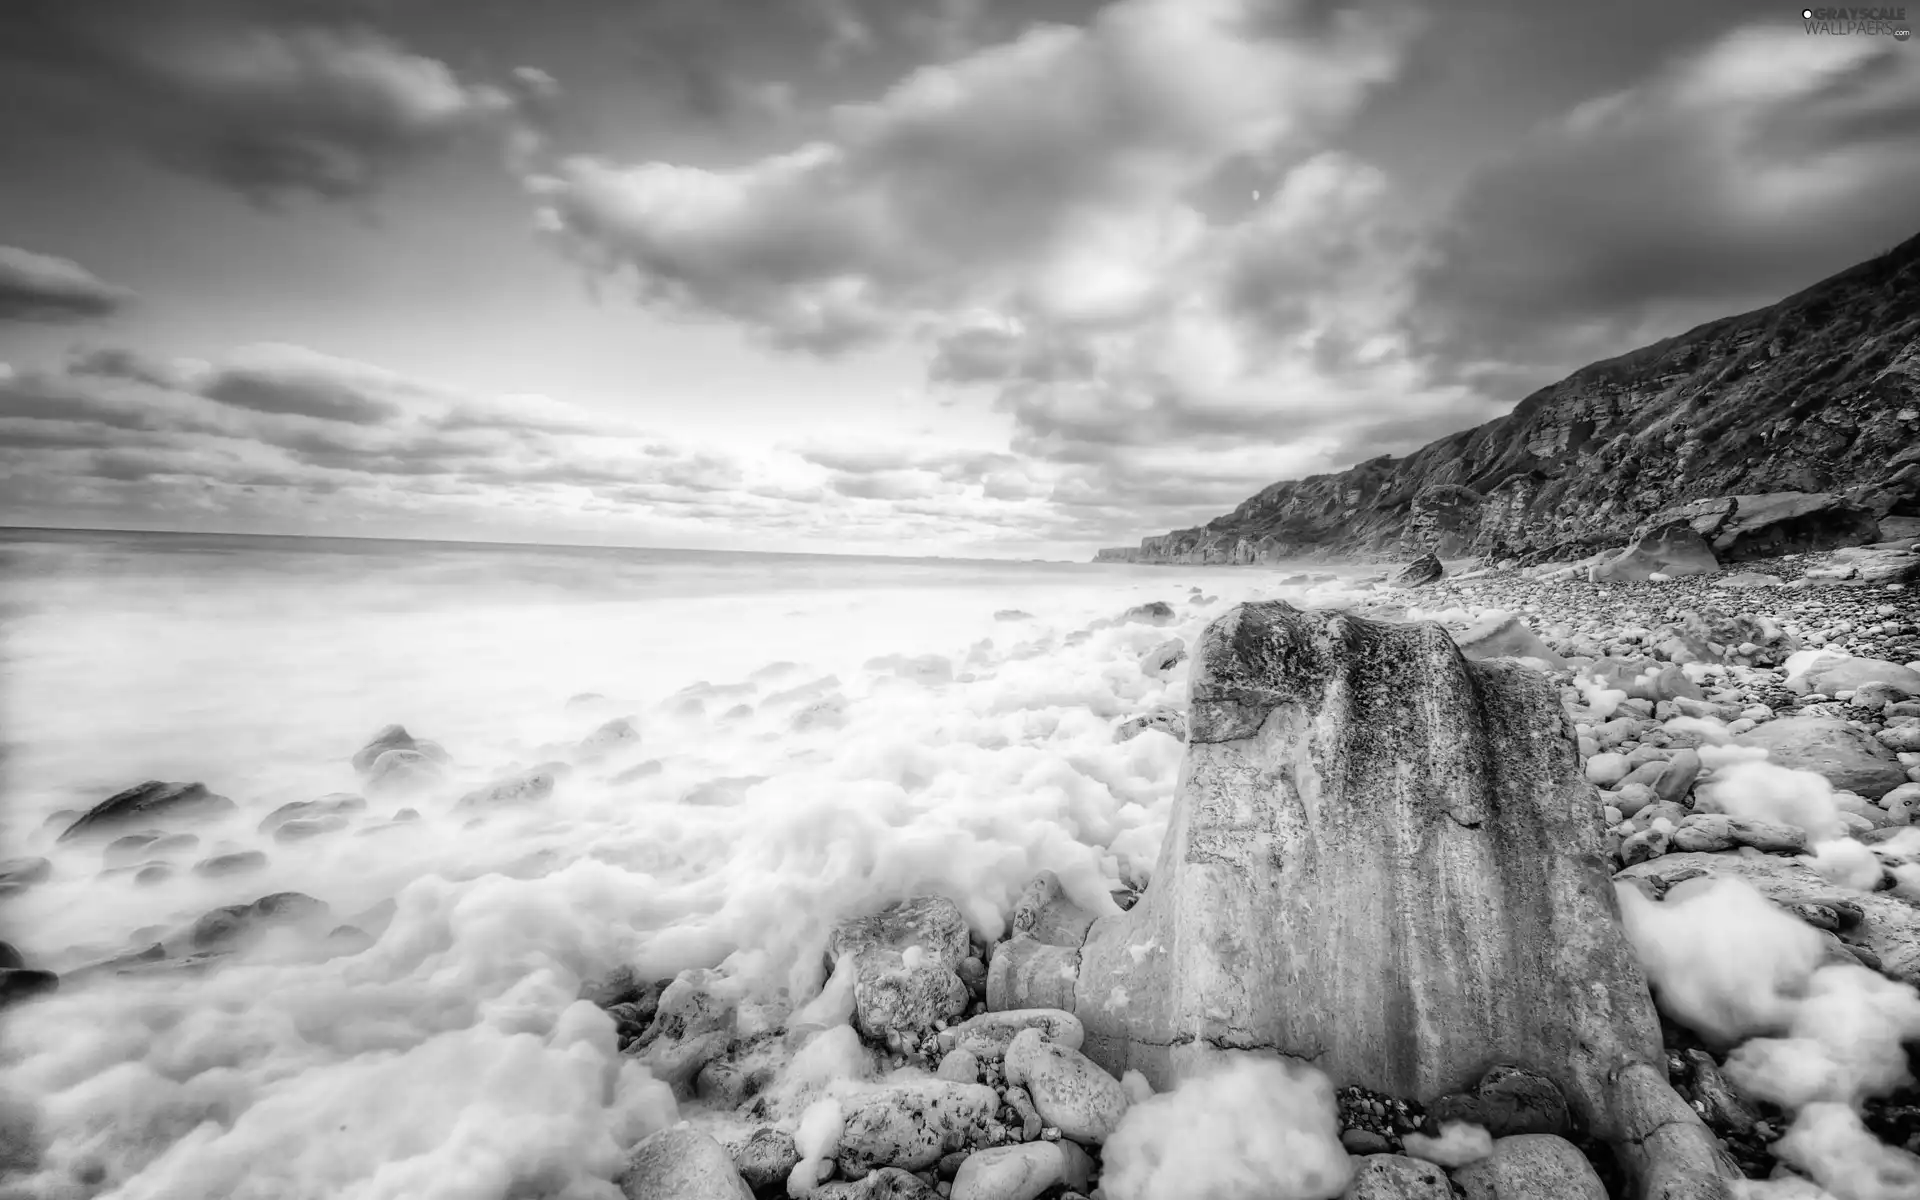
984	277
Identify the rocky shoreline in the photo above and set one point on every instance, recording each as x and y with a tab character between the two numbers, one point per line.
1671	688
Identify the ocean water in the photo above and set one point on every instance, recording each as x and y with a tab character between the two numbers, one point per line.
831	734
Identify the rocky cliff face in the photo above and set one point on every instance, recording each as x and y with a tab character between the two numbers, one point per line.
1818	393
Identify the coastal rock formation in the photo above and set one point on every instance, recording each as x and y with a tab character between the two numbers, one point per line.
149	801
1798	424
1383	860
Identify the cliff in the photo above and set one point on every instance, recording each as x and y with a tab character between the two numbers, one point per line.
1818	393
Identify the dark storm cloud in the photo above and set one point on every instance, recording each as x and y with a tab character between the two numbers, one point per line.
1729	179
270	100
41	287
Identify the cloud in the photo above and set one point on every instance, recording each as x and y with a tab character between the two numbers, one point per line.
40	287
293	380
272	100
1045	172
1729	178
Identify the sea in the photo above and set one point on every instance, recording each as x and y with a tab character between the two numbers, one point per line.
817	736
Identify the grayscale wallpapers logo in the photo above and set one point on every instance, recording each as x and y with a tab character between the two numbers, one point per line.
1876	22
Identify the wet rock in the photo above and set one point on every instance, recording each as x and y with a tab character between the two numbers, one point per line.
1850	759
1021	1172
153	873
959	1066
237	925
1170	721
24	872
912	1124
10	958
1646	679
615	737
1382	1176
1677	779
1164	657
301	829
396	737
693	1025
1420	572
1158	612
1887	926
1509	1101
239	862
18	984
524	787
149	802
766	1158
681	1163
402	771
334	804
1717	831
905	960
1531	1166
1071	1091
886	1183
988	1035
1831	674
125	851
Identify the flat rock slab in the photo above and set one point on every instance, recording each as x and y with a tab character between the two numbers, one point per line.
1532	1166
1851	759
1890	926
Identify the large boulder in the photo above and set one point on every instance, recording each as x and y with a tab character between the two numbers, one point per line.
1830	673
147	803
1382	858
906	961
682	1163
1675	548
395	737
1743	528
1850	759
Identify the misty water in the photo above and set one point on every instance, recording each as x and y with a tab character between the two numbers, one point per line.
831	734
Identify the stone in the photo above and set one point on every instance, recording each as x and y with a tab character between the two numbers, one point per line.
988	1035
25	871
395	737
1887	926
615	737
19	984
1605	770
959	1066
886	1183
1877	566
1849	758
1021	1172
1677	779
1170	721
681	1163
912	1124
148	802
236	926
522	787
1648	843
1071	1092
1397	1177
1646	679
1164	657
1831	674
1507	1101
890	993
1158	612
240	862
1350	787
766	1158
1770	524
1505	635
1902	739
402	771
1531	1166
1673	550
331	805
1717	831
692	1025
1420	572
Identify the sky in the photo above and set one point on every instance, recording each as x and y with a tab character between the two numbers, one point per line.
996	278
